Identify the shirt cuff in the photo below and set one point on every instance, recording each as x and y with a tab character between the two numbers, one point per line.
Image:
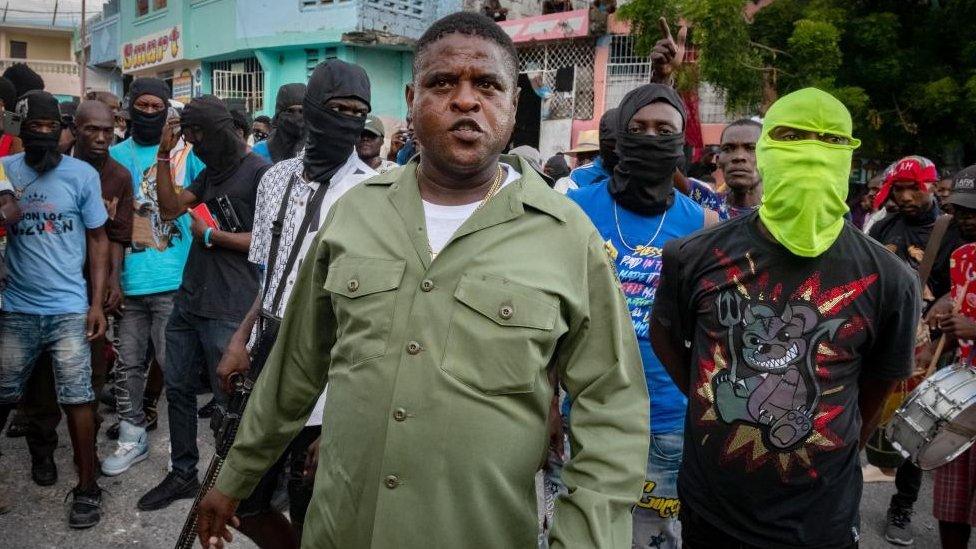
235	484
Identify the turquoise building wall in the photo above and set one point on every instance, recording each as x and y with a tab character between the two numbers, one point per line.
278	33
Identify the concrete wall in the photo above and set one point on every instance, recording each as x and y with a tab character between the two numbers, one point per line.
39	45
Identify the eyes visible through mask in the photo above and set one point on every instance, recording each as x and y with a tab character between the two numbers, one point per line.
348	106
786	133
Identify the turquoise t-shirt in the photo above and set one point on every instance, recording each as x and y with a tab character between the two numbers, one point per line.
261	149
154	262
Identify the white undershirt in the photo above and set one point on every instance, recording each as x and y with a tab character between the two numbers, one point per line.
444	221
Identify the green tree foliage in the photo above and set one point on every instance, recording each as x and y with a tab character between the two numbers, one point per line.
905	68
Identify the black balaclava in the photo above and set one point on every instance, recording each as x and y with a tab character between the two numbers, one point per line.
40	149
24	80
608	140
8	94
146	129
220	148
332	135
643	181
557	166
288	128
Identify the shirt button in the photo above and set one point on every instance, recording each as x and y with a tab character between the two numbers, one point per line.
353	285
400	414
427	285
391	481
506	312
414	348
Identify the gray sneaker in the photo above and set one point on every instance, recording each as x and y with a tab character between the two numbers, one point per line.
898	526
133	447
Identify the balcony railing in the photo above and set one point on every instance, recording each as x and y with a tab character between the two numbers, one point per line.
43	66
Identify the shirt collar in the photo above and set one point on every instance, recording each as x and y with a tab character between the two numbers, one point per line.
532	192
354	166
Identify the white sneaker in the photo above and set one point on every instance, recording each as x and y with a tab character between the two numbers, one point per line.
133	447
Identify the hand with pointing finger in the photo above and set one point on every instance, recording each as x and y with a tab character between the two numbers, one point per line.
668	54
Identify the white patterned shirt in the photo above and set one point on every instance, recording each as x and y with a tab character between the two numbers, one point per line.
271	191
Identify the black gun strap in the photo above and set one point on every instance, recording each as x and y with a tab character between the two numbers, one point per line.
276	227
311	211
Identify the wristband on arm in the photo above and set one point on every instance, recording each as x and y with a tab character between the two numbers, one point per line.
206	237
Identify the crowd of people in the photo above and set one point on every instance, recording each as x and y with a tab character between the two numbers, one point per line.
685	364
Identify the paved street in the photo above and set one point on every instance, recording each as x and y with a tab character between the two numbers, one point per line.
38	520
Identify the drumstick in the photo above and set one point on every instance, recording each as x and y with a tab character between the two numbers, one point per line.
935	356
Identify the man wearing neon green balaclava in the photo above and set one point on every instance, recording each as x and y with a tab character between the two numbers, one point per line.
804	157
799	326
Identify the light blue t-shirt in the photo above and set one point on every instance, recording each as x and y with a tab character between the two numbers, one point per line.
154	262
46	249
637	259
261	149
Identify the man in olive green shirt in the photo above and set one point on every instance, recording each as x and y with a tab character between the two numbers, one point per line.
439	343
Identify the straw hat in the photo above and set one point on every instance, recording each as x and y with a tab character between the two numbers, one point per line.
586	141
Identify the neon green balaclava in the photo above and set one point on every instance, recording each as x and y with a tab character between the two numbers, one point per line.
805	181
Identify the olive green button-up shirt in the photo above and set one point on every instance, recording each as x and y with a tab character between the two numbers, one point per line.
439	375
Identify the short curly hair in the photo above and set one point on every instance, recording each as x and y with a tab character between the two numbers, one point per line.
473	24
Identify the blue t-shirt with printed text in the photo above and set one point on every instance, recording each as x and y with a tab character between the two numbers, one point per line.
46	249
156	266
638	264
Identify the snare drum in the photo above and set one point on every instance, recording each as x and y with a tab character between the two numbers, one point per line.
937	422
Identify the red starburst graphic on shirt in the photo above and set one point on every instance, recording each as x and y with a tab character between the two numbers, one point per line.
744	441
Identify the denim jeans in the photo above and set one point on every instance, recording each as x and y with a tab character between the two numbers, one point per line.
22	339
656	513
145	318
189	337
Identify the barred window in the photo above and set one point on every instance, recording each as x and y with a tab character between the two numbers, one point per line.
547	58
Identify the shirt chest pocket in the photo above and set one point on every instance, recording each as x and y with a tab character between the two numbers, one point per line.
364	298
502	335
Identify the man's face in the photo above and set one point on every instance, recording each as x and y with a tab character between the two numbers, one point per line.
873	186
737	156
149	104
943	188
966	219
463	102
192	134
260	131
93	135
369	145
909	199
584	158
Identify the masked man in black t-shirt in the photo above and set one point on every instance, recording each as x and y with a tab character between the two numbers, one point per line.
787	328
219	283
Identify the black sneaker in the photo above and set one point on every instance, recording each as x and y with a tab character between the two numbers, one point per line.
86	508
207	410
18	427
44	471
898	526
174	487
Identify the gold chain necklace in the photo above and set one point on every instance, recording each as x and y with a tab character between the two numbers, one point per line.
488	196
